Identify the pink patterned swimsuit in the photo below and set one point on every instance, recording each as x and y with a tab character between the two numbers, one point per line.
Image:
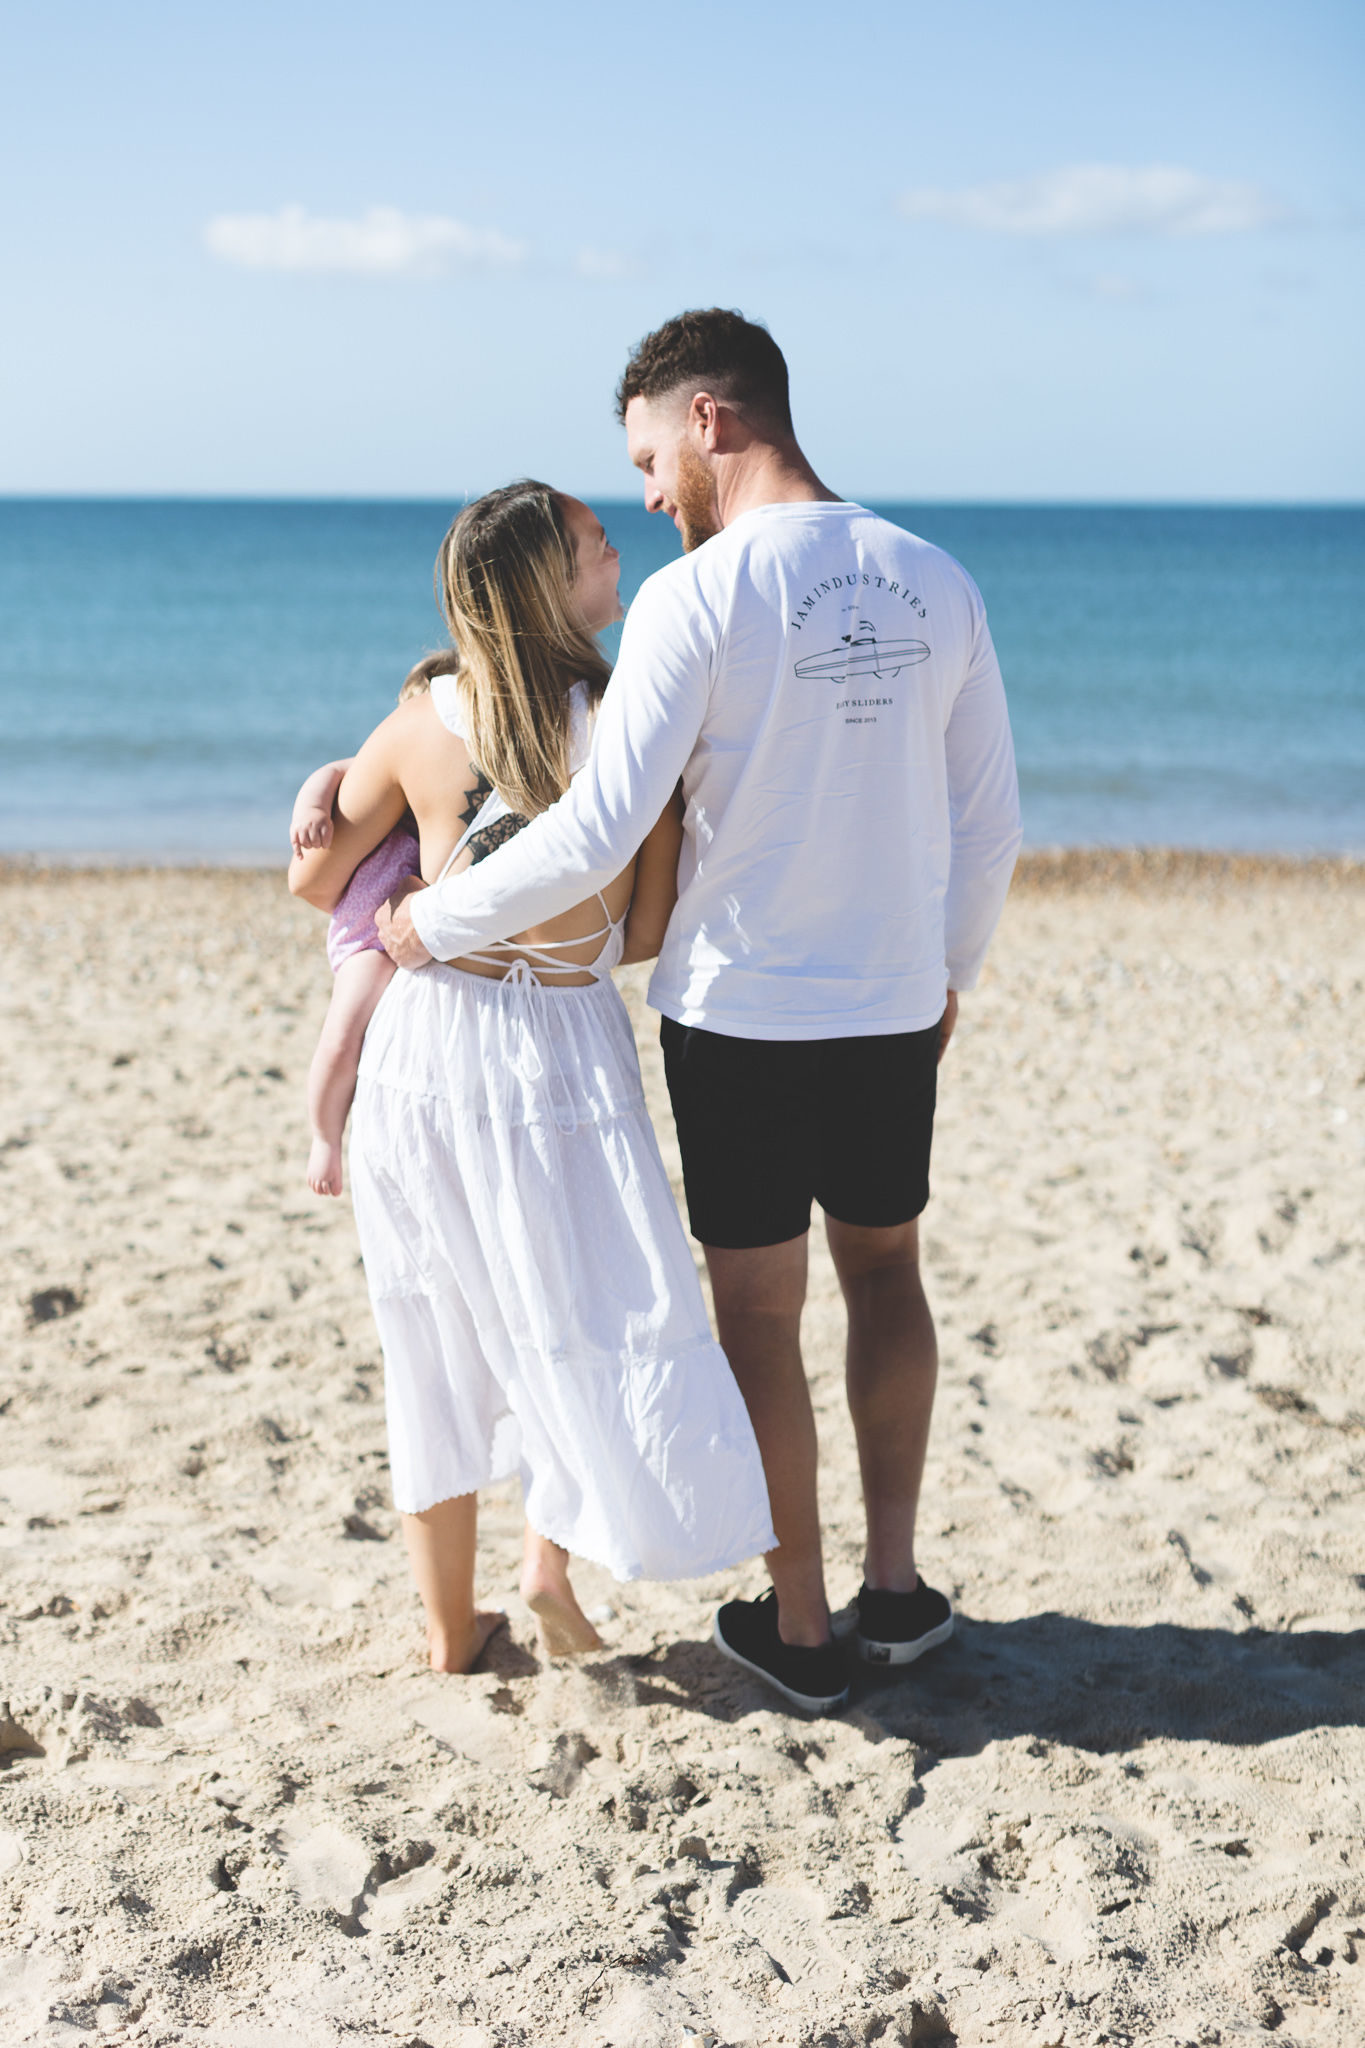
353	929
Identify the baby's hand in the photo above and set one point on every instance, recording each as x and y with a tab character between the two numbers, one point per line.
309	829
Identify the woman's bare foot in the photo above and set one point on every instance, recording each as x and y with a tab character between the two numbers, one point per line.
459	1654
324	1167
565	1630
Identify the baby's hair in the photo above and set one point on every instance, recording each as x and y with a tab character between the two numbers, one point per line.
419	677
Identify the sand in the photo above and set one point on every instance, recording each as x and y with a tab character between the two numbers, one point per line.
1124	1805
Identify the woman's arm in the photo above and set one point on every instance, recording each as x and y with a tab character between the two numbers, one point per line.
368	805
311	824
656	885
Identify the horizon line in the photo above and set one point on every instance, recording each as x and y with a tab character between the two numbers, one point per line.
186	497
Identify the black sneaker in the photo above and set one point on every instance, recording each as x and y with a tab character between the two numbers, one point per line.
745	1631
895	1628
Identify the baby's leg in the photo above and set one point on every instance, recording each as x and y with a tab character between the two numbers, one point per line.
441	1544
357	987
565	1630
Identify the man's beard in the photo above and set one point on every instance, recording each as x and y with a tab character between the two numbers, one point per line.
695	498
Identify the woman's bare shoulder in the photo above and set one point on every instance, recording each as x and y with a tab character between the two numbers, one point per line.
418	724
409	751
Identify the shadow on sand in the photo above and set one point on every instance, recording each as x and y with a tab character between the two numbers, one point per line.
1108	1686
1094	1686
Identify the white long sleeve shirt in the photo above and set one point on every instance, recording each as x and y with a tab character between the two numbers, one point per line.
825	685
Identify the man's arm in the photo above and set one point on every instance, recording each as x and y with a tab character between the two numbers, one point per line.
646	730
983	800
947	1023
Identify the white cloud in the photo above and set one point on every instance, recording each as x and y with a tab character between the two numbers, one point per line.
602	263
380	242
1101	199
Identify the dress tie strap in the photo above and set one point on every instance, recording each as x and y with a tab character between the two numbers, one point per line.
522	989
513	951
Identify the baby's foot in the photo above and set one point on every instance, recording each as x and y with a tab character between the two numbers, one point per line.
565	1630
450	1653
324	1167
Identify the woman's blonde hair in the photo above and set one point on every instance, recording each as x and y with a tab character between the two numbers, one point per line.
504	579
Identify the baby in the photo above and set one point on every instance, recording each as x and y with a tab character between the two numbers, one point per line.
361	967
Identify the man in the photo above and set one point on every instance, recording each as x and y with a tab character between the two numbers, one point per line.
824	684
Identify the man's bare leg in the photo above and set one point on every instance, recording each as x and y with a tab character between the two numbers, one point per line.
441	1544
759	1295
891	1371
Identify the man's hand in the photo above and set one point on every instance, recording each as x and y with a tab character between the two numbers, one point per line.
394	923
946	1023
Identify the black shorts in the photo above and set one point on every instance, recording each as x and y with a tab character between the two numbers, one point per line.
766	1125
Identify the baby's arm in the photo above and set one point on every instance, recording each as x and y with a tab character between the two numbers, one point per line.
368	805
311	824
656	885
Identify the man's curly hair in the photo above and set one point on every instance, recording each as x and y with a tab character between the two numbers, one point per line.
711	350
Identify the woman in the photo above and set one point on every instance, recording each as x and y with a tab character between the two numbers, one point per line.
535	1296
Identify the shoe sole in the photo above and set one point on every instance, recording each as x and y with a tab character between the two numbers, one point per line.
873	1652
808	1702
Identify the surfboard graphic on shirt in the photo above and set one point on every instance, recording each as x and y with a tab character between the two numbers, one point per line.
863	654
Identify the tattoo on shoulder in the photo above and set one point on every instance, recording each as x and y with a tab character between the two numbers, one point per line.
474	801
493	836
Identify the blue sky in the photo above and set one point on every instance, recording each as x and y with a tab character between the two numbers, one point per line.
1046	252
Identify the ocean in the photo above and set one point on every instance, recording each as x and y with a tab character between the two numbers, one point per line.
170	670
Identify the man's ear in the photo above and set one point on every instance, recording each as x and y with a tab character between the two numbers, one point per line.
706	420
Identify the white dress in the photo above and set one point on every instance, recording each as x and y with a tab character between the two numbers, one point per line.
534	1291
